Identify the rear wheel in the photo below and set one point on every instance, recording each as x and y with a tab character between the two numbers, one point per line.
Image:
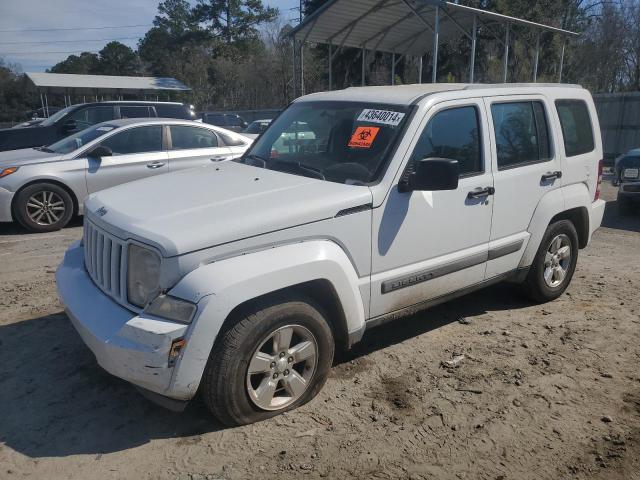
43	207
274	358
554	263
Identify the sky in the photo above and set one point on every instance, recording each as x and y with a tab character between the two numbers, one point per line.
28	38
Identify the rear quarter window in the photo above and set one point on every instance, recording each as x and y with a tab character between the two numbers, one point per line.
171	111
577	131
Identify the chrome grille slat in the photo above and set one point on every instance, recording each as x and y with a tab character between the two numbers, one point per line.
105	261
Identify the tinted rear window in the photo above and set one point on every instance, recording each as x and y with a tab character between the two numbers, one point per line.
171	111
576	127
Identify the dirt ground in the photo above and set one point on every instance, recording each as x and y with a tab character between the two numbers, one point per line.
544	391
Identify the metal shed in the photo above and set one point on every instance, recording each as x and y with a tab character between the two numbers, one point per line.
69	84
406	28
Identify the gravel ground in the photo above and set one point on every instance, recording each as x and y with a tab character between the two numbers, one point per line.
543	391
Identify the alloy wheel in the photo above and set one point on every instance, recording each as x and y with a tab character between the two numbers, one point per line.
557	260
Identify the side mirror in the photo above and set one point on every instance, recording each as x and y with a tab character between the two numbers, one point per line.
69	126
100	151
431	174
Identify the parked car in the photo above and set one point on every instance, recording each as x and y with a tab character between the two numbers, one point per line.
42	188
76	118
230	121
242	283
627	178
30	123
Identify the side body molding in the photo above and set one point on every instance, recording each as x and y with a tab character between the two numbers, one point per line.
221	286
553	203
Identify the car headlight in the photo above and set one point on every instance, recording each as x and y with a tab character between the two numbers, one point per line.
8	171
143	275
171	308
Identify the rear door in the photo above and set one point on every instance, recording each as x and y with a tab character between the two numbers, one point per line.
137	153
526	167
193	146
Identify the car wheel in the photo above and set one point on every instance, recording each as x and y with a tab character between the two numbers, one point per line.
624	205
273	358
43	207
554	263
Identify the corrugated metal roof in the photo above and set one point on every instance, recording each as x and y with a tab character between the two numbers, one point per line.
104	83
397	26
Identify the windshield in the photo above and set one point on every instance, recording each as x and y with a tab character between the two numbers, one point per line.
343	142
57	116
257	127
77	140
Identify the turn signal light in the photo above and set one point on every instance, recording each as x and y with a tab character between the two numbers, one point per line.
8	171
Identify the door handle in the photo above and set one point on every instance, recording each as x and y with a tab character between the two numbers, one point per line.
155	164
481	192
551	176
219	158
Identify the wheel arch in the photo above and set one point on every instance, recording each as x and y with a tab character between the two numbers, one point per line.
59	183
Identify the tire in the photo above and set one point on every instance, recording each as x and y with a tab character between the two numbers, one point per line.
624	205
233	395
43	207
544	289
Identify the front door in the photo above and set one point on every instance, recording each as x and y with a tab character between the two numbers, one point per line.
428	244
526	167
137	153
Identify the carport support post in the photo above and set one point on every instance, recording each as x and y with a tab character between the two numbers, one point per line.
330	66
506	54
393	69
364	52
472	62
561	62
42	102
436	37
420	70
536	58
294	87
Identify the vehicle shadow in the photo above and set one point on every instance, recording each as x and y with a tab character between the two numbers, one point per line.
503	296
56	401
614	219
17	229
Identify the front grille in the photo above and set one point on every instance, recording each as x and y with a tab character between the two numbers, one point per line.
105	261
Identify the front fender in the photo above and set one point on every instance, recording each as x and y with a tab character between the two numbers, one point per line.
221	286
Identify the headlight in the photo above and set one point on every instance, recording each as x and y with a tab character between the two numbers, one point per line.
8	171
171	308
143	277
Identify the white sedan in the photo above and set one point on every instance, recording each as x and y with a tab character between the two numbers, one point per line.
43	188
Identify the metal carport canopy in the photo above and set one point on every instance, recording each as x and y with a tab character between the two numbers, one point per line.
63	82
404	27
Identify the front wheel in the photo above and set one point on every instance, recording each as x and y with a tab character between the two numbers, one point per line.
43	207
274	358
554	263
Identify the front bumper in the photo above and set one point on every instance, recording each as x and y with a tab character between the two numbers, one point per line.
629	189
132	347
6	197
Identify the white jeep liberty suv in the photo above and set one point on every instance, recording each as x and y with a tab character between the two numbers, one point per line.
238	279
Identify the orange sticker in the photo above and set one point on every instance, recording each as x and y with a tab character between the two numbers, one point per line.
363	137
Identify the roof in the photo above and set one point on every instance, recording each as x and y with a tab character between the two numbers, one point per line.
398	26
409	94
68	81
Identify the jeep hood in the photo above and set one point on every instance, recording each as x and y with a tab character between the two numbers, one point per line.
220	203
26	156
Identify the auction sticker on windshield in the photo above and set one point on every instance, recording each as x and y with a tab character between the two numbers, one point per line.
386	117
363	137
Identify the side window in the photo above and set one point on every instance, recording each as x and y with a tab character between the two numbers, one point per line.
136	112
192	137
90	116
522	134
136	140
215	119
233	120
453	133
576	127
171	111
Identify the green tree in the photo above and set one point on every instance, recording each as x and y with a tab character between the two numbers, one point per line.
118	59
84	63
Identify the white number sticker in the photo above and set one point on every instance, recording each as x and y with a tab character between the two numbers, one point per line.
386	117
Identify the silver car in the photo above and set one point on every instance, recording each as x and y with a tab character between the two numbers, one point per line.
43	188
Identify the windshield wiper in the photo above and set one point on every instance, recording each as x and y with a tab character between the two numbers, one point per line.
311	169
256	157
43	149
